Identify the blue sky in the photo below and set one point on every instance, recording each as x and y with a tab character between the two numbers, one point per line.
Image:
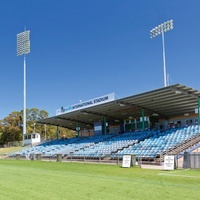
82	49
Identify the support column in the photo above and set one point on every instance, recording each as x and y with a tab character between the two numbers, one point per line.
143	119
78	129
199	111
104	125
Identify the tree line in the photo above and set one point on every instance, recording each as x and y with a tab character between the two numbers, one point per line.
11	127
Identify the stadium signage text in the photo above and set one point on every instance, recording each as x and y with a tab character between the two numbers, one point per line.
126	162
169	163
86	104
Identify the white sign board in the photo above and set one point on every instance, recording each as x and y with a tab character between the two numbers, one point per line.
169	163
86	104
126	161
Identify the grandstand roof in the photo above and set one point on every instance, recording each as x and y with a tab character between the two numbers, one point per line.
166	102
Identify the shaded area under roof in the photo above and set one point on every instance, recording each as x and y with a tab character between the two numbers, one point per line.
166	102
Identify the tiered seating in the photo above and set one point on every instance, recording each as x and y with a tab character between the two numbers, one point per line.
113	144
85	144
145	144
150	148
63	147
48	148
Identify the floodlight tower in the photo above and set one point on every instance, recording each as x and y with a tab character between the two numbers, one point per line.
160	29
23	48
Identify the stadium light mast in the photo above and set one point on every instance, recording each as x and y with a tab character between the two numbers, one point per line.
23	48
161	29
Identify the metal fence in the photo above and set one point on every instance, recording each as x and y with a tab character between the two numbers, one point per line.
184	160
60	158
188	160
108	159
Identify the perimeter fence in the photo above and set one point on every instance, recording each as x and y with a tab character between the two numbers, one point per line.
183	160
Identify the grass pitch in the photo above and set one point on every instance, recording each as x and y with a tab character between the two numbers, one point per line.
55	180
10	149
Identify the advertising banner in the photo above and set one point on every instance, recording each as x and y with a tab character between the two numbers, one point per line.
126	161
86	104
169	163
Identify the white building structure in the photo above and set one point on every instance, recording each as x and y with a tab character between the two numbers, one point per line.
32	139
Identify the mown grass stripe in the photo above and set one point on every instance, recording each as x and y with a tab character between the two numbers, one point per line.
45	180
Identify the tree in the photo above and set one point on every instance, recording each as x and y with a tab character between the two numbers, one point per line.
11	127
34	115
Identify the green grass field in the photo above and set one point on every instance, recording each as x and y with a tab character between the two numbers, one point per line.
10	149
57	180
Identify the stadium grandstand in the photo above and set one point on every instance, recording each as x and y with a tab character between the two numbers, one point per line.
149	125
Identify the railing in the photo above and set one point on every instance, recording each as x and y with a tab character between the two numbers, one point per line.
182	146
83	159
98	159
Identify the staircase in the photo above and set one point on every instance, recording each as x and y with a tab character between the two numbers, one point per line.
182	146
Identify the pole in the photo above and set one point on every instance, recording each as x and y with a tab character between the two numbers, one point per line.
24	111
104	125
78	129
45	131
164	63
23	48
168	79
143	119
198	111
160	29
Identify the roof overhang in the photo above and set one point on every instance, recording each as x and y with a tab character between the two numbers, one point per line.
166	102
